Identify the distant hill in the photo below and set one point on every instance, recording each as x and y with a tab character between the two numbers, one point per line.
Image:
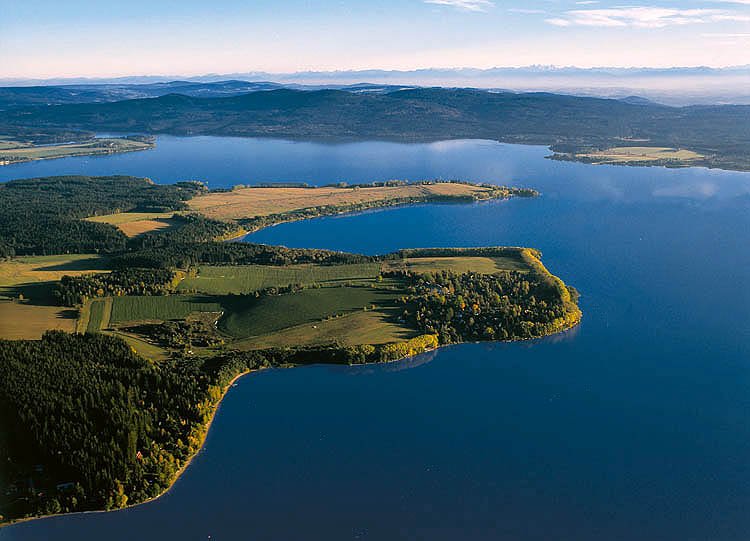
568	123
14	97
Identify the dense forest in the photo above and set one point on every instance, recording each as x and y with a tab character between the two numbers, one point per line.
88	424
567	123
472	307
46	215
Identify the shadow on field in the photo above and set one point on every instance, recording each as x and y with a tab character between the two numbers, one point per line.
34	293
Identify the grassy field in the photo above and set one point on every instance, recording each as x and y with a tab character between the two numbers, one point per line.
484	265
250	202
100	313
371	327
24	153
247	316
32	275
160	308
136	223
641	154
143	348
20	320
248	278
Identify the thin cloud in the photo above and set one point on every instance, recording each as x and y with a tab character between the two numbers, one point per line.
644	17
464	5
526	11
589	2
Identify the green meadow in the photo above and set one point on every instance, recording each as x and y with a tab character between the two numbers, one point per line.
224	280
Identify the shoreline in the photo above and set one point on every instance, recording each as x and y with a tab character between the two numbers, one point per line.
172	483
290	216
179	473
6	163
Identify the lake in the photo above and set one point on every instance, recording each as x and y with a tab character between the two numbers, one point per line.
635	425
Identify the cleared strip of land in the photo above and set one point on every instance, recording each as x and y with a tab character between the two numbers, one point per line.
254	202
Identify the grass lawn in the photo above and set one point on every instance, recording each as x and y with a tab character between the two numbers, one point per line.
160	308
247	316
248	278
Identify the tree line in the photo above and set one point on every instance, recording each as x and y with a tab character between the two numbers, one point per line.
76	290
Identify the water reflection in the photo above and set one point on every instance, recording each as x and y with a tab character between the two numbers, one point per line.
227	161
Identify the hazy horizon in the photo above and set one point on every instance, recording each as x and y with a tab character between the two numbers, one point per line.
45	39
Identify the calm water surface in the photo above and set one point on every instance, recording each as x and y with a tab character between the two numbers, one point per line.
634	426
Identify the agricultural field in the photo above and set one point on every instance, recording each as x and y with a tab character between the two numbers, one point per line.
137	223
623	155
160	308
247	316
99	314
32	275
26	321
484	265
252	202
363	327
144	348
24	152
224	280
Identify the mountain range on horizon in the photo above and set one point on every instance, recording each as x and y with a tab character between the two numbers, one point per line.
672	86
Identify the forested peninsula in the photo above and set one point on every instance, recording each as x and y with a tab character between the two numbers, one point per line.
163	319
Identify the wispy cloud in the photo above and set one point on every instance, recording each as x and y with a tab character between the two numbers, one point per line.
587	2
644	17
464	5
526	11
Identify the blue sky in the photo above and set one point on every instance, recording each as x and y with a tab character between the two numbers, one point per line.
46	38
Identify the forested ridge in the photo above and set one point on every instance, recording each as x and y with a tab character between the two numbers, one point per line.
567	123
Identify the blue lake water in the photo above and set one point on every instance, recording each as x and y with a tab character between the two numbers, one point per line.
636	425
